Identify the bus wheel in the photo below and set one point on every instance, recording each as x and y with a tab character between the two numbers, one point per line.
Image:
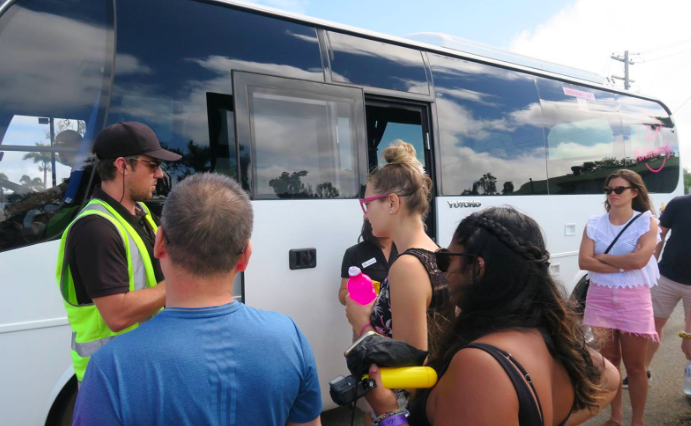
61	412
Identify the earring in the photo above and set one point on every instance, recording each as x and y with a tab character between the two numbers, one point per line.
390	211
481	263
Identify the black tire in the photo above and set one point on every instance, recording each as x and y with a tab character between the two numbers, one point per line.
61	412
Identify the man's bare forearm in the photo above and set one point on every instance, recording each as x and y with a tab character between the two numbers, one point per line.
145	303
121	311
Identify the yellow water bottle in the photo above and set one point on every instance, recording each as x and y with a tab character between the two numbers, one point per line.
407	377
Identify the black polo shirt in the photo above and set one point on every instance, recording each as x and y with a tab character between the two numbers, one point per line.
96	254
675	263
370	259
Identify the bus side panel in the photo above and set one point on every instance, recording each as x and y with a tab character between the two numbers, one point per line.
561	217
308	296
34	335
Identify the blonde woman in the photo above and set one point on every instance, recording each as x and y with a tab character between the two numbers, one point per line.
396	203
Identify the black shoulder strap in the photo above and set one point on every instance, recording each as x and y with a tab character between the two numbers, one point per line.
621	232
529	406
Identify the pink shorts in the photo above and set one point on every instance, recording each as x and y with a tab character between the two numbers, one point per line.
627	309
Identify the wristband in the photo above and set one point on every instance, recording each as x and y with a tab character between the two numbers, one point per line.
362	330
379	421
397	420
684	335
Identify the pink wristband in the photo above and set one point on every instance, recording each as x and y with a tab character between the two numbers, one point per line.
362	330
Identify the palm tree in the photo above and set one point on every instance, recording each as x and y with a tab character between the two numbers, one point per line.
45	162
34	183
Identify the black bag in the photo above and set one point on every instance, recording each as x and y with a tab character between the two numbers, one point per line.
384	352
581	291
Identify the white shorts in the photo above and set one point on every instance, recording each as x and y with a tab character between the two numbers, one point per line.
666	295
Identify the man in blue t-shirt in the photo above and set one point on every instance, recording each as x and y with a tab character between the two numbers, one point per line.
205	359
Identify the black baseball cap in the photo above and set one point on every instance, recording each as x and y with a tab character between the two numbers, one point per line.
128	138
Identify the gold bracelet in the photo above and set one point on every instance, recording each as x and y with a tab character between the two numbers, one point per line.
684	335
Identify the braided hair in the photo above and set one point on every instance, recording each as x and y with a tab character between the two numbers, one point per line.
515	292
526	249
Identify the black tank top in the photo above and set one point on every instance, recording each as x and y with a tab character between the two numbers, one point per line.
529	407
381	314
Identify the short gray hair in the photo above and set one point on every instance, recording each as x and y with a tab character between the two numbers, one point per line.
207	222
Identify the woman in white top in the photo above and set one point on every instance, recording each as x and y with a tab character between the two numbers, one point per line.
619	295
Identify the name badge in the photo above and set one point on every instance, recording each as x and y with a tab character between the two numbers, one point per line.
370	262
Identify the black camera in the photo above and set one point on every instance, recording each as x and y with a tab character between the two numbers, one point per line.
346	390
370	349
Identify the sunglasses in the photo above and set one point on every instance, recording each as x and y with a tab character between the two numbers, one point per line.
152	165
443	257
618	190
364	201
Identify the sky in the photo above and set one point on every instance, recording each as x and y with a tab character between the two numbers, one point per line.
577	33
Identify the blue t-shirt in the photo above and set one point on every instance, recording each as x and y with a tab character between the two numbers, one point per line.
220	365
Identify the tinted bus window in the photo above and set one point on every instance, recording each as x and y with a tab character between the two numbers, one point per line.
304	146
173	53
650	139
492	139
584	136
371	63
54	72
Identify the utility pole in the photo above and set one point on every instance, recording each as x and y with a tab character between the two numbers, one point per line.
627	62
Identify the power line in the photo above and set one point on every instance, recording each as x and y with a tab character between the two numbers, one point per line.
684	103
665	47
668	56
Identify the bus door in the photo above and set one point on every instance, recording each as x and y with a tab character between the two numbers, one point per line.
302	157
390	121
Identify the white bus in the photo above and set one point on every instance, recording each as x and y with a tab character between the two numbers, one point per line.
297	110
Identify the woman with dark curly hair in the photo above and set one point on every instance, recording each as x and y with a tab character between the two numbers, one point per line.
515	354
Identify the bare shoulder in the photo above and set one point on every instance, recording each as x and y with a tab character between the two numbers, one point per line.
407	267
474	376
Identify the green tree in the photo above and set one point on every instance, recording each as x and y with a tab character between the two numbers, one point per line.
34	183
508	188
488	183
289	185
326	190
44	161
687	180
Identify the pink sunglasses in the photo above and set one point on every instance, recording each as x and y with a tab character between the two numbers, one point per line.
364	201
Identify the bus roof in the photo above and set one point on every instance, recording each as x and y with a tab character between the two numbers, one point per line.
454	46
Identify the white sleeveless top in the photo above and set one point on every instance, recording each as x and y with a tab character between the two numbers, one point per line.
602	232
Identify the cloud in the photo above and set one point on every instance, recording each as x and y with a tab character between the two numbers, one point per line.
128	64
585	34
224	65
73	52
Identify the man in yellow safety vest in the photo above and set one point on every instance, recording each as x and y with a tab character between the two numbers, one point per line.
109	279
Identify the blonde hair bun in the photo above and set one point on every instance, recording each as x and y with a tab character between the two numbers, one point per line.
402	153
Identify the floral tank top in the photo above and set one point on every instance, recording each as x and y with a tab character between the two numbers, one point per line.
381	314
